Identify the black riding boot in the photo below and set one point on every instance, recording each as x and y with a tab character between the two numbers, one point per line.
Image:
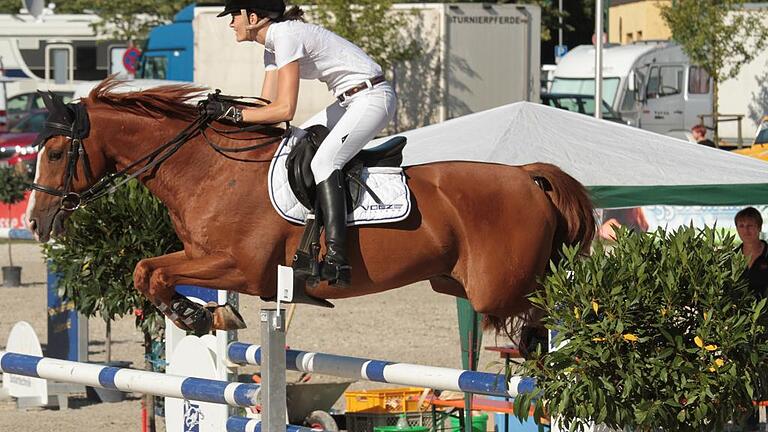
333	204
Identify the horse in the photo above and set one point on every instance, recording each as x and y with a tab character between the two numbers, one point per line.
481	231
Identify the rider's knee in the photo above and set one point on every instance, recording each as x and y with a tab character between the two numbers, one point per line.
321	168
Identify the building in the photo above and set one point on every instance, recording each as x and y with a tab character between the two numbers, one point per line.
636	20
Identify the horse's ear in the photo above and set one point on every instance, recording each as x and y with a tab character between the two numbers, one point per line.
47	100
59	106
57	100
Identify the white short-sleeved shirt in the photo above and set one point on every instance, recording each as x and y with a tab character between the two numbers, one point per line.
322	55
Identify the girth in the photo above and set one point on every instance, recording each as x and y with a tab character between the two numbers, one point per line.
302	181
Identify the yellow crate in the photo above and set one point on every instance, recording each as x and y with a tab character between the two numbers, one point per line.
395	400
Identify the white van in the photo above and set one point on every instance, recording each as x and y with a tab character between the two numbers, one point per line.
652	85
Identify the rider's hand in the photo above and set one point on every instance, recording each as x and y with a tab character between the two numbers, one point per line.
225	111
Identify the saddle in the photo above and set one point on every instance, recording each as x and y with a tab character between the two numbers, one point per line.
306	264
302	181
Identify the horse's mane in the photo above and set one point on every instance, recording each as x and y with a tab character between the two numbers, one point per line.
168	100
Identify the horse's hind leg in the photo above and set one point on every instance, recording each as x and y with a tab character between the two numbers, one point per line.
215	272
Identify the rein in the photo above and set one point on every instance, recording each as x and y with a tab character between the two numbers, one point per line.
79	128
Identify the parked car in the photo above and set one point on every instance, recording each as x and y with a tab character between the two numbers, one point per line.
16	145
583	104
20	105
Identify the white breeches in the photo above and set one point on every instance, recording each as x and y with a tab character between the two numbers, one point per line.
353	123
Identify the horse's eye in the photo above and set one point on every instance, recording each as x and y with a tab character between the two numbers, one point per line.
55	155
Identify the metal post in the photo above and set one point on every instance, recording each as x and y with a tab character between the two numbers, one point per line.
598	59
528	51
739	140
273	397
5	92
560	23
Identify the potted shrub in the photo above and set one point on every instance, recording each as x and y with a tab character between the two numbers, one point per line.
12	188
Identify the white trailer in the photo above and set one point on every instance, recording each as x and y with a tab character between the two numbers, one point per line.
476	56
54	52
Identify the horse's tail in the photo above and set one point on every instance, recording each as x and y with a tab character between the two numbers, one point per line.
576	218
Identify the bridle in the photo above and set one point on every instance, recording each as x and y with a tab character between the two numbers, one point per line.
72	121
77	130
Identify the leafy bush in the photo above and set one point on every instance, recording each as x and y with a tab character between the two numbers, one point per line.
102	245
659	332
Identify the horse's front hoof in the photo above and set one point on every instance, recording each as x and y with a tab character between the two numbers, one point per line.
226	317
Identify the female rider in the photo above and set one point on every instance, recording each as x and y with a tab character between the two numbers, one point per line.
293	50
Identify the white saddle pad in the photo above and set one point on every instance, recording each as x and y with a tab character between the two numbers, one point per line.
388	183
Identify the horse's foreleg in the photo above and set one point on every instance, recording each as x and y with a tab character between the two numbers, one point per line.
214	272
143	271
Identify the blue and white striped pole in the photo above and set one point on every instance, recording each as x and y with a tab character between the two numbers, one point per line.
130	380
388	372
244	424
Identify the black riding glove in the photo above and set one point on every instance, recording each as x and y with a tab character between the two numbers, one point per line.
224	111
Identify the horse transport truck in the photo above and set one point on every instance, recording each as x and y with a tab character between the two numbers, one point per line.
654	86
474	56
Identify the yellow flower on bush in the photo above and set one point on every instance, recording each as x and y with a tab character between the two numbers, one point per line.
577	313
595	306
698	341
630	337
719	362
710	347
598	339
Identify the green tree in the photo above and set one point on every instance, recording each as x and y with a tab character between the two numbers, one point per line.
10	6
12	189
659	333
103	243
129	20
96	258
372	25
719	35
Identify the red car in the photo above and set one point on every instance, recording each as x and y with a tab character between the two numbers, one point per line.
16	145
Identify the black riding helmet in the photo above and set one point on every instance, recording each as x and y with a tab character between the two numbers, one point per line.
270	8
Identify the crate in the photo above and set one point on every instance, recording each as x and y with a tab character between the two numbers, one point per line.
395	400
366	421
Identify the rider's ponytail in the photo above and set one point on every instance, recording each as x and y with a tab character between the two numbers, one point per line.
295	13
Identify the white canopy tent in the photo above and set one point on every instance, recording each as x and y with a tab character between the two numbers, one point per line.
622	166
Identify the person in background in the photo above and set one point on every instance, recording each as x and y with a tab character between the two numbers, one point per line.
699	133
749	222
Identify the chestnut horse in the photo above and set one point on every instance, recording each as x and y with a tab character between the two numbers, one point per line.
482	231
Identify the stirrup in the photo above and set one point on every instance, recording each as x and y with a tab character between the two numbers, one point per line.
339	275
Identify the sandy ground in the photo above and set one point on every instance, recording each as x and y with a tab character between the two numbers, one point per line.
412	324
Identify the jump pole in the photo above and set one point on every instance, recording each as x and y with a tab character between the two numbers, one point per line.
130	380
388	372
